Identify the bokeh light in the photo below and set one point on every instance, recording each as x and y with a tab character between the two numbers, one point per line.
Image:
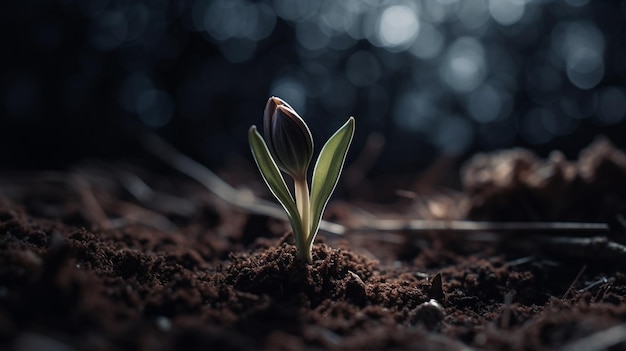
507	12
397	28
463	68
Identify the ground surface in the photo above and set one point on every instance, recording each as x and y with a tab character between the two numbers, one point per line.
112	257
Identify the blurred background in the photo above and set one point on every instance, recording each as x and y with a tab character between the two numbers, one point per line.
433	77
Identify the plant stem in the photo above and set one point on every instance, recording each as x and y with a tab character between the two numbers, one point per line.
301	188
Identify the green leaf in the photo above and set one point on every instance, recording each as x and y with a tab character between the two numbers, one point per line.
275	181
326	173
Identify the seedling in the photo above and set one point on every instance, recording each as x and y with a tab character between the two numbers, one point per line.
289	148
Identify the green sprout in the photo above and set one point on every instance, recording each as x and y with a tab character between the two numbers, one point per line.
289	148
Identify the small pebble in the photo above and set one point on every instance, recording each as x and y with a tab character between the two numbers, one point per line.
429	313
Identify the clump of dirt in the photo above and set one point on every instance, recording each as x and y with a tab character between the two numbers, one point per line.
517	185
281	275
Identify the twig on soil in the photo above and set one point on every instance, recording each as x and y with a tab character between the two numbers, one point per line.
594	247
506	312
143	193
136	215
601	340
470	226
600	281
243	199
590	249
520	261
571	287
604	290
132	214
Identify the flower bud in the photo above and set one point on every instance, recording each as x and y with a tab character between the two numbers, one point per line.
288	137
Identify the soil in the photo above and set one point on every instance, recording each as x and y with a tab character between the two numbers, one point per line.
123	257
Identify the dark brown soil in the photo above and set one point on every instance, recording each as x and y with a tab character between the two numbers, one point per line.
93	259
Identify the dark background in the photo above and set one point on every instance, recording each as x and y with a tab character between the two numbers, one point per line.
83	78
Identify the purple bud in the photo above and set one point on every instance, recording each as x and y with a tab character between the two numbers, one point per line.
288	137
